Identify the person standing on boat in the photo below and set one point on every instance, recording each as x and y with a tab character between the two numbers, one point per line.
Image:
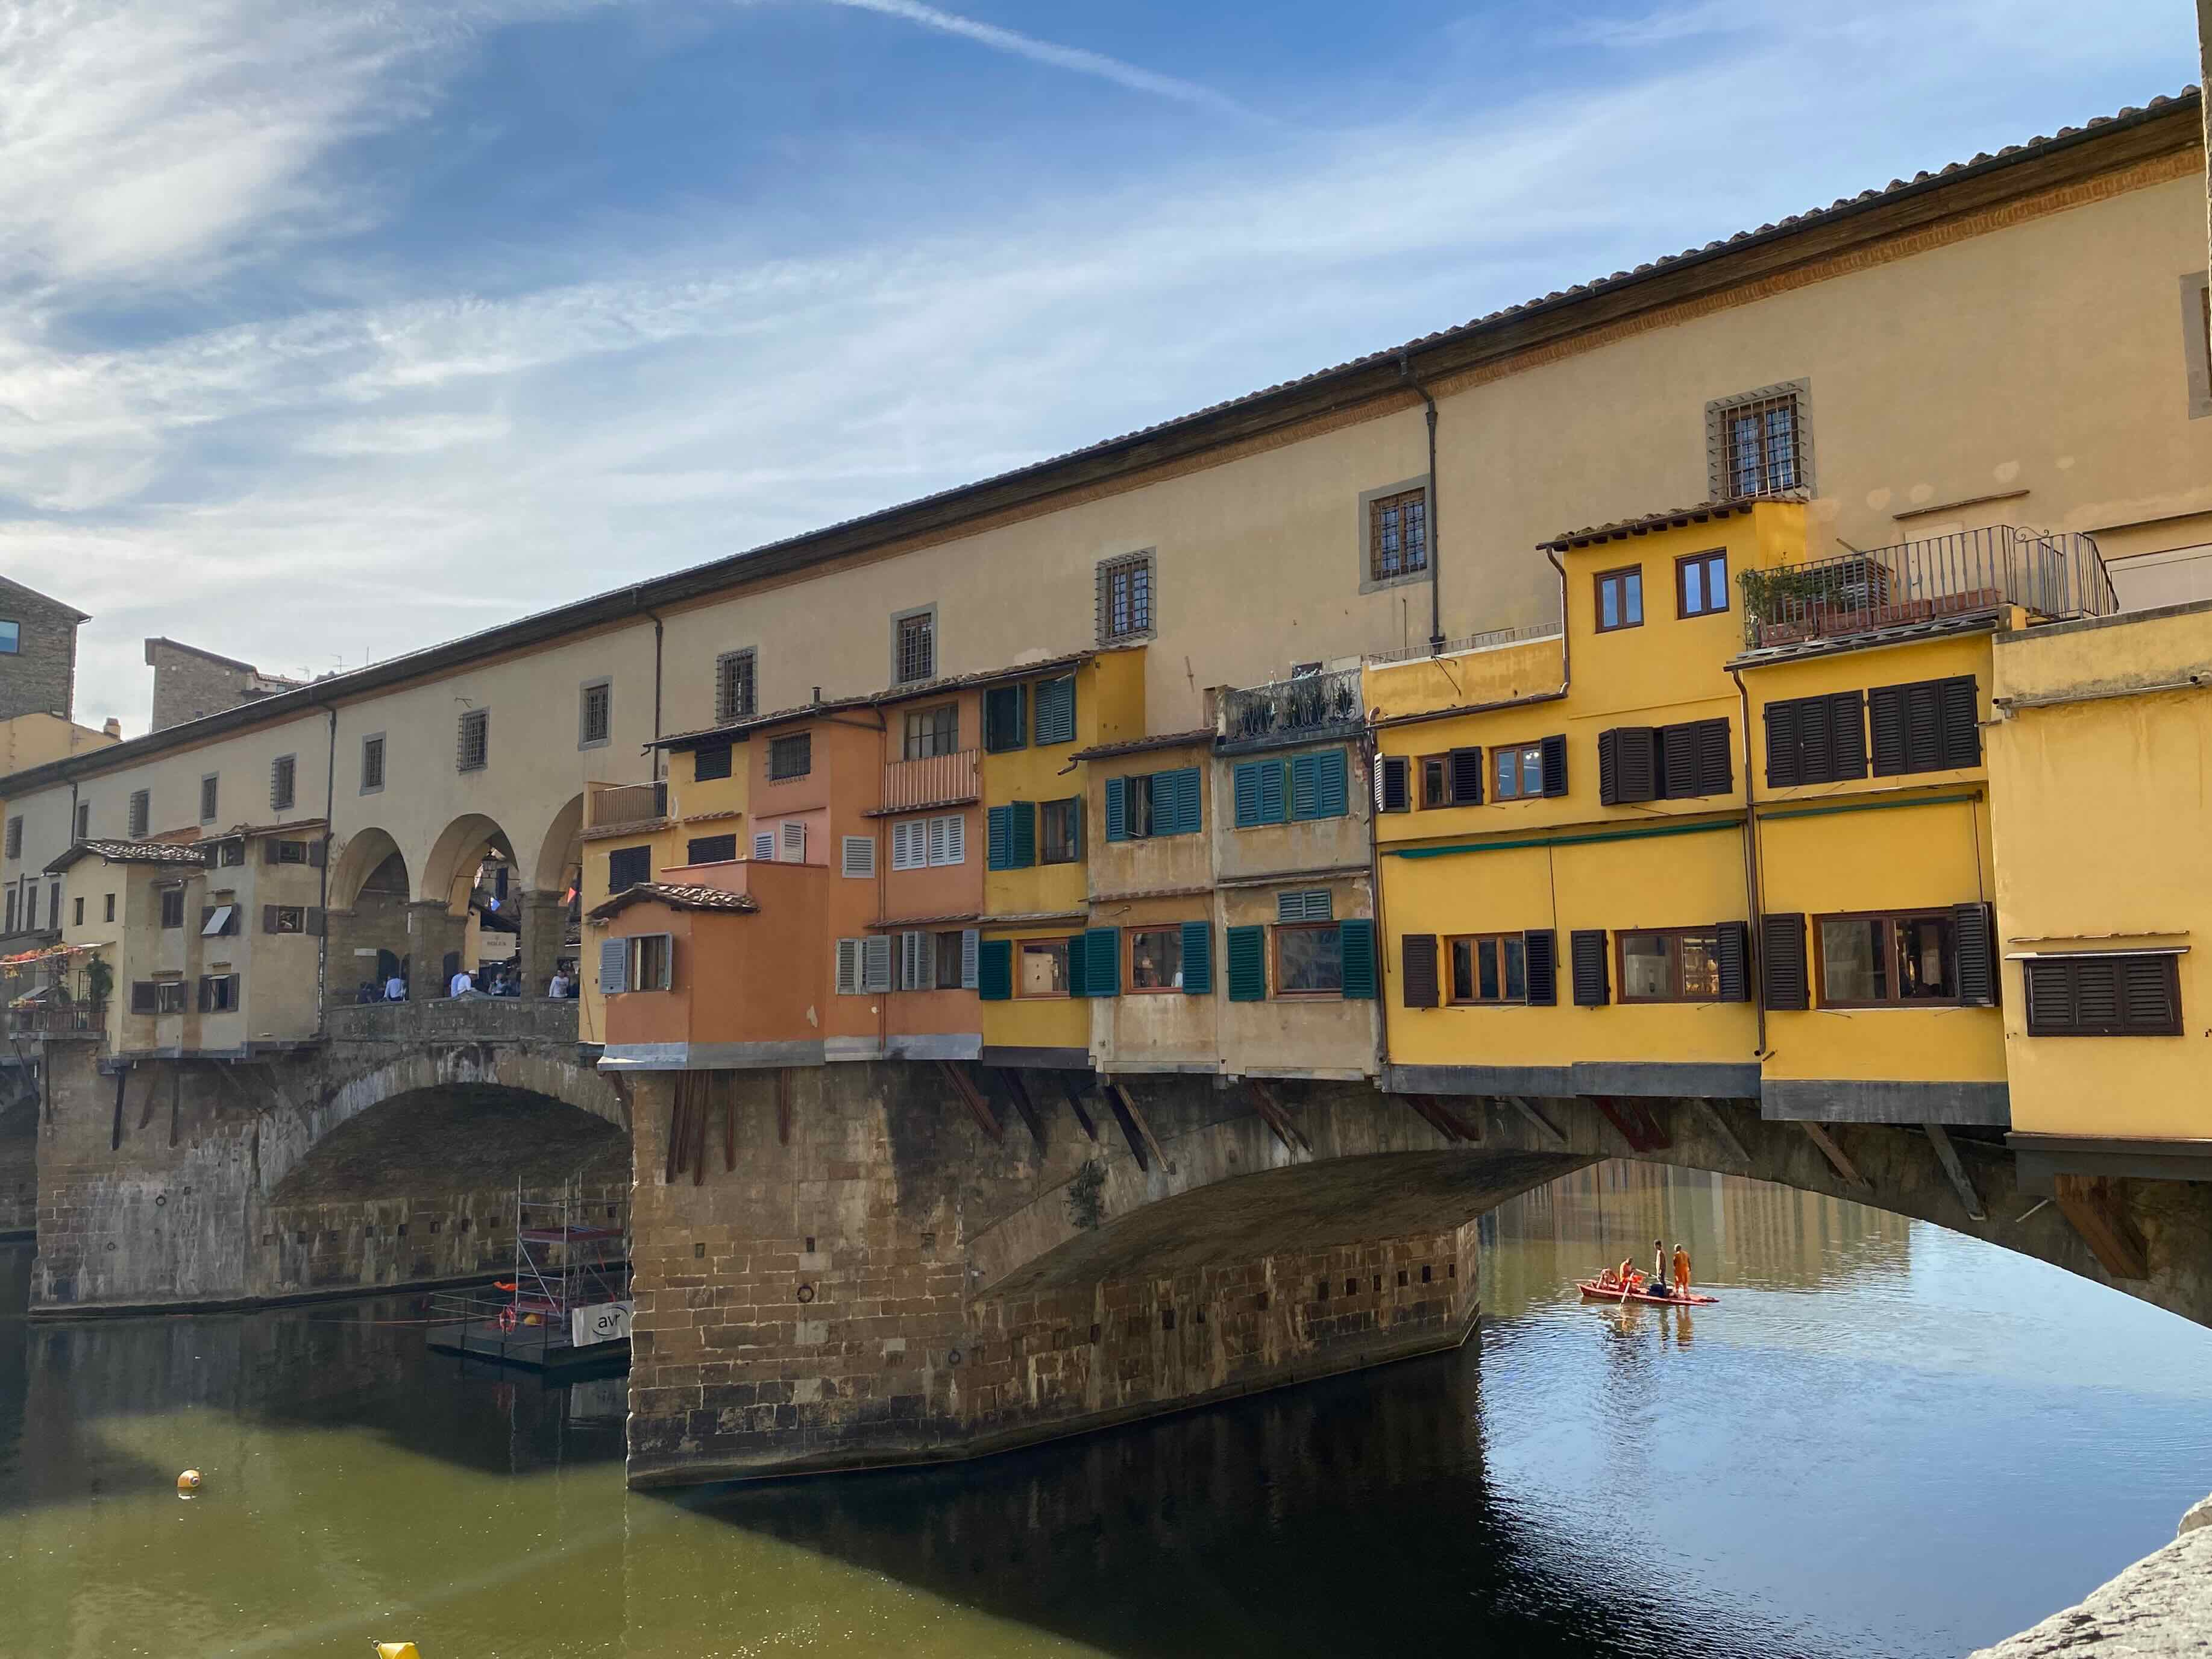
1681	1270
1658	1267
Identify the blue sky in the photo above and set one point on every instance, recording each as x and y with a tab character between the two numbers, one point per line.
327	331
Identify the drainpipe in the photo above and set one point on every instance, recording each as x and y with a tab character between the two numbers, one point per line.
660	759
1750	866
1567	637
1369	751
323	889
1435	551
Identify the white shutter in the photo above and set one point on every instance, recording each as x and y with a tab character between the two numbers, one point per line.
794	842
911	975
1375	779
968	950
876	962
849	967
956	840
860	855
614	966
937	840
764	845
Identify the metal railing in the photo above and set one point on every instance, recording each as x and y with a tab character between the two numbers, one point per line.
1488	640
627	803
933	781
58	1020
1311	702
1966	573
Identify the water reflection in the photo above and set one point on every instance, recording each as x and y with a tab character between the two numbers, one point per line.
1884	1438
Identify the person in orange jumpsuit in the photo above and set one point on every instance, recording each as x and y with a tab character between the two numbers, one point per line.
1681	1270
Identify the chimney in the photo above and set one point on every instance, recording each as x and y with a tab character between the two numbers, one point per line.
113	728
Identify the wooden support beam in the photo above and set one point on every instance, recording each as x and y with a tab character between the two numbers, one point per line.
115	1131
700	1103
1116	1102
1546	1130
1074	1093
1117	1091
2090	1203
1638	1125
1947	1156
1714	1119
1276	1117
1439	1115
956	1073
176	1098
783	1105
1018	1092
725	1084
1843	1166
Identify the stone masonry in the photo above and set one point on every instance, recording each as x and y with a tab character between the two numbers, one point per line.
40	678
188	682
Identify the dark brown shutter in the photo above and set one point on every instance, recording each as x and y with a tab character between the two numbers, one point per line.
315	926
268	918
1846	728
1467	777
1397	790
1924	725
205	986
1782	744
1735	961
1608	768
1716	759
1973	932
2050	999
1782	961
1591	982
1886	718
1678	761
2150	996
1962	737
268	853
1540	952
1555	766
1816	758
1627	764
1418	964
319	852
206	911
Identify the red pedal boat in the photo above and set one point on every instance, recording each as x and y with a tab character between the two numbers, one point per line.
1596	1292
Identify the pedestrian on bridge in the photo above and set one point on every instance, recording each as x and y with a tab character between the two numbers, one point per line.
461	985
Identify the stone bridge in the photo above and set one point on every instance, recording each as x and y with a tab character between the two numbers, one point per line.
390	1153
855	1265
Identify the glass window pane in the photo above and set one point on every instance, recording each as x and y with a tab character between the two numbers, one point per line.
1700	968
1924	960
1509	774
1463	970
1853	968
1647	966
1156	960
1309	958
1486	954
1044	968
1608	604
1516	973
1632	596
1693	588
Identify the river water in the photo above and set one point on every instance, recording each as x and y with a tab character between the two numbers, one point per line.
1885	1439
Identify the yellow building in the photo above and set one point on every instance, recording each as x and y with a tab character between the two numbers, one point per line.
1727	835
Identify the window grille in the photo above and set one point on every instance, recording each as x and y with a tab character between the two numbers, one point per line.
141	813
734	685
1758	444
1398	535
913	650
596	719
208	797
474	742
371	764
791	757
284	778
1124	599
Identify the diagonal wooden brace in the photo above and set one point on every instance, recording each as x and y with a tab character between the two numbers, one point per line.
1947	1156
1018	1092
956	1073
1115	1092
1546	1130
1842	1165
2096	1212
1074	1092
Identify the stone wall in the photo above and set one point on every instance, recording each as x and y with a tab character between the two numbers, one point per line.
19	1164
188	682
41	677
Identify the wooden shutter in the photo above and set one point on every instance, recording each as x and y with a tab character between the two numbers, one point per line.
1716	757
1592	983
1102	962
1783	743
1055	711
994	971
270	852
1022	849
1781	975
1924	725
1540	955
1734	961
1961	740
795	842
1248	964
1273	794
204	988
1117	809
858	855
268	918
1077	986
144	998
997	837
1555	765
1005	721
970	963
1356	940
2150	995
1973	933
1417	969
876	962
614	966
1464	768
1190	810
1304	904
316	922
1627	765
764	845
1393	784
1885	722
1678	761
1332	784
707	764
1198	958
1847	742
1245	788
849	967
1305	786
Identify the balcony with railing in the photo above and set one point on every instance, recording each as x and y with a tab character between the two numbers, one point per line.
58	1020
1969	573
625	803
1303	708
948	780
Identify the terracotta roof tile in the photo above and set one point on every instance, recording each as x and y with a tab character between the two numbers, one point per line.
188	853
1672	517
677	897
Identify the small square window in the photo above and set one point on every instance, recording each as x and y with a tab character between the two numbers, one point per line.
1519	771
474	742
1758	444
931	732
11	637
791	757
1308	961
172	907
1620	599
1124	599
1043	969
734	685
595	715
209	785
141	813
283	782
1155	959
913	647
1701	584
372	764
1489	967
1679	965
1060	831
1397	535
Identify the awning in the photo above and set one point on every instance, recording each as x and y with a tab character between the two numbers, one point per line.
218	921
2079	953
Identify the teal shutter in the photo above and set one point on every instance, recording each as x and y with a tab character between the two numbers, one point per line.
1272	809
1305	786
1248	964
1102	963
1075	983
1194	812
1004	718
1176	810
999	838
994	971
1023	850
1117	809
1198	958
1055	711
1332	785
1357	939
1246	780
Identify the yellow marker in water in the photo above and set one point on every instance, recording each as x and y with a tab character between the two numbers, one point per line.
396	1650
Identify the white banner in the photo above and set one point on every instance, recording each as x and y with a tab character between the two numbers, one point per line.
607	1322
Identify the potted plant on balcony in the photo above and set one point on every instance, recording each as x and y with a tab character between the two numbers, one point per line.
98	981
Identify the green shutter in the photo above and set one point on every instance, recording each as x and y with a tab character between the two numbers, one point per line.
1198	958
1246	780
994	971
1176	810
1357	938
1023	850
1117	809
1305	778
1055	711
1332	785
1248	964
1004	718
1102	963
997	837
1075	985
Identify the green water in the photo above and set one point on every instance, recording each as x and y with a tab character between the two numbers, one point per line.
1885	1439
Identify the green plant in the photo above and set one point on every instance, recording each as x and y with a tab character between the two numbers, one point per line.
99	980
1086	1204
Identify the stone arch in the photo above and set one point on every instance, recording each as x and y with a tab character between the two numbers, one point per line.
454	855
560	854
364	863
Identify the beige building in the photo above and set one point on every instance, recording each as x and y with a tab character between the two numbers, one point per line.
1996	343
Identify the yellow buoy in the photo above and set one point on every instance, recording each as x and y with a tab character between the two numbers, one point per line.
189	1480
396	1650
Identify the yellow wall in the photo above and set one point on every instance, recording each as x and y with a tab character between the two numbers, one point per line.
2103	812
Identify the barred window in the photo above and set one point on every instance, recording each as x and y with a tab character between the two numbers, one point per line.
475	743
208	791
913	647
791	757
1757	444
1124	599
283	779
595	716
141	813
372	764
1398	535
734	685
